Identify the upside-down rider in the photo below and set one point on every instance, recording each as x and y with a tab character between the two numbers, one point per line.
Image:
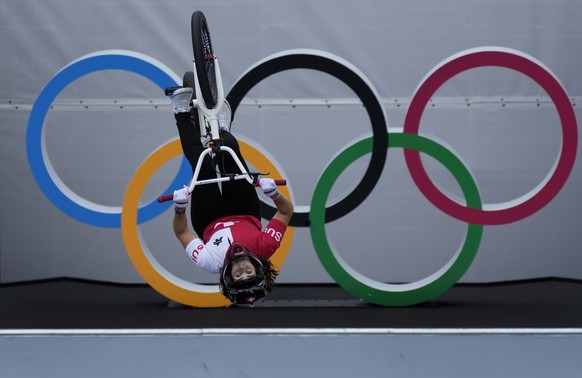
227	236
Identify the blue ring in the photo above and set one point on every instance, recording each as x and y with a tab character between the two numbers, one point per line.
67	75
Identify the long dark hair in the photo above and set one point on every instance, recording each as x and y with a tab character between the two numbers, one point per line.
271	272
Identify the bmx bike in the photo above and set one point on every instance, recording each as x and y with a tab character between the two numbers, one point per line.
206	81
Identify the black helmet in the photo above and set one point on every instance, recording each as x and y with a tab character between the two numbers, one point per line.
244	292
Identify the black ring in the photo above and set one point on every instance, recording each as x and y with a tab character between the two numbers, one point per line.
300	60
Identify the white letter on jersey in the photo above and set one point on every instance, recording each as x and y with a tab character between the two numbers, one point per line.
274	234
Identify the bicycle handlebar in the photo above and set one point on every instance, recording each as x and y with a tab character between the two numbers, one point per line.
170	197
281	182
166	198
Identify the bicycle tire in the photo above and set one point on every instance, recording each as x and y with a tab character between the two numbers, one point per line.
204	59
188	80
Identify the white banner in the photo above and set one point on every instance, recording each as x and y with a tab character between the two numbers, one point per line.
82	107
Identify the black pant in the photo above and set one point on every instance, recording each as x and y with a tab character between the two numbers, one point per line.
207	203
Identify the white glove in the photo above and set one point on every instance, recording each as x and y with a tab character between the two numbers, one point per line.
181	198
268	186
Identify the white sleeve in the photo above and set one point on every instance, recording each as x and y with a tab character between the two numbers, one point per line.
206	257
194	248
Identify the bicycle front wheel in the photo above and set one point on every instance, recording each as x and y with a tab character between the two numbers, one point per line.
204	59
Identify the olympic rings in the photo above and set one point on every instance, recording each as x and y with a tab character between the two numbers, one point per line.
550	186
144	261
46	177
353	78
394	294
129	216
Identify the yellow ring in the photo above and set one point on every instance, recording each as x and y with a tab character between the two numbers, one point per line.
152	272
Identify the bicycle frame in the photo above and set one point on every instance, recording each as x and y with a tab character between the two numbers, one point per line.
210	150
209	129
208	118
210	133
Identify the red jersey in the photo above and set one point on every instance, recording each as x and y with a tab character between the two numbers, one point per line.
208	253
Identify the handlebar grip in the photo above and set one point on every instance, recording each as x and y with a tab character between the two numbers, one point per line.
280	182
170	90
165	198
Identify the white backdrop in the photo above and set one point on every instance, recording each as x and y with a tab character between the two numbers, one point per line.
104	124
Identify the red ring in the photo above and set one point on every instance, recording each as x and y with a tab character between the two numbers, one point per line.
527	66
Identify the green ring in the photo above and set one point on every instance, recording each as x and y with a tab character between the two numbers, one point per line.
394	294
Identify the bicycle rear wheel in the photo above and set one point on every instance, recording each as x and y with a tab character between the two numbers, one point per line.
204	59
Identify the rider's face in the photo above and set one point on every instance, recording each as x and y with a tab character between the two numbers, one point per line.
242	268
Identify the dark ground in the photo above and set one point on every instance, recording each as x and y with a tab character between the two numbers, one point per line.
74	304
